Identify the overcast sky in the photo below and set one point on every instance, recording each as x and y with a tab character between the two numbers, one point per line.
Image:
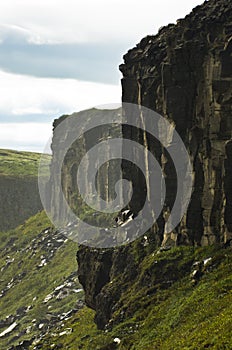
62	56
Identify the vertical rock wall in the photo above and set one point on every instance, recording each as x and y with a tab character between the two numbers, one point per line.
107	174
184	73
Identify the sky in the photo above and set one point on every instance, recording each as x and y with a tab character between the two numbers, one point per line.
62	56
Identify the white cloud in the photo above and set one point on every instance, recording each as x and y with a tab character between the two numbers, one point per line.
90	20
66	21
25	136
43	99
22	94
14	32
33	111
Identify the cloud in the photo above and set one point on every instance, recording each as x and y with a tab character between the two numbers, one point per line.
28	105
25	95
78	21
89	62
32	111
61	56
12	34
25	137
80	39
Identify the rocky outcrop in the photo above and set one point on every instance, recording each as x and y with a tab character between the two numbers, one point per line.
104	278
106	174
184	73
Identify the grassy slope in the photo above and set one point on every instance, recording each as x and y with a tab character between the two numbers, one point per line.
29	281
14	163
181	317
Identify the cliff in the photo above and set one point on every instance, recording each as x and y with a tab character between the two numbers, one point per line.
165	290
183	73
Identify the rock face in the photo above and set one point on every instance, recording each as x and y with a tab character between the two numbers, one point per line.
72	158
185	74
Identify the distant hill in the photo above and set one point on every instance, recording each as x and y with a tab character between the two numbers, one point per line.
15	163
19	192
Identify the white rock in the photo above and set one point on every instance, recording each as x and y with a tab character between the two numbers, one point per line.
43	263
28	308
197	263
207	260
194	273
8	330
47	298
125	212
117	340
66	331
28	330
60	287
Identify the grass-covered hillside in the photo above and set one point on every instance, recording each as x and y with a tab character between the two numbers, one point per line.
15	163
168	306
38	282
18	187
194	312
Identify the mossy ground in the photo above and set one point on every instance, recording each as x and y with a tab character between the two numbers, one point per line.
182	316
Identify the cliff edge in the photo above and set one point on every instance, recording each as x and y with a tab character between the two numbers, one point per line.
185	74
